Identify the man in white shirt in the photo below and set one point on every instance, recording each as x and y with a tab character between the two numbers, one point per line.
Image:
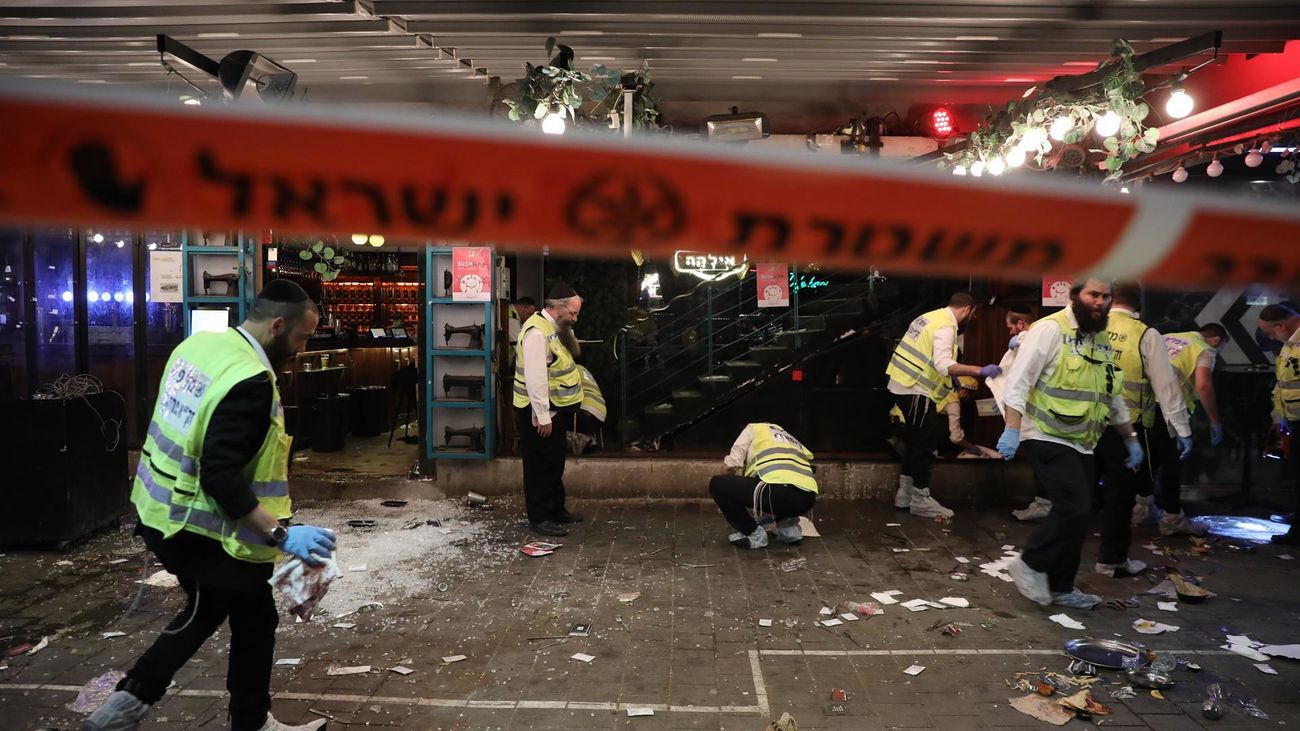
1281	323
920	378
546	385
1067	386
1155	402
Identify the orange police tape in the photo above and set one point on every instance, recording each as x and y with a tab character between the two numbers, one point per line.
103	158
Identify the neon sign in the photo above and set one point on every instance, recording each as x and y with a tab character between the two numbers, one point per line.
806	282
710	267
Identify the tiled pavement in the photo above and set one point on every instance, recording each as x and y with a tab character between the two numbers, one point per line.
689	645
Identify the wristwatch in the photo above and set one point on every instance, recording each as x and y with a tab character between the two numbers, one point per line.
277	536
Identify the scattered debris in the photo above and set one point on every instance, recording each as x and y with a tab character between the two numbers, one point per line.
449	659
111	634
361	524
539	548
1265	668
1187	591
784	723
764	623
628	597
1194	667
955	601
1066	621
1150	627
793	564
1123	693
886	597
959	577
352	670
697	565
582	657
635	712
401	670
1246	647
832	622
44	643
1291	652
1167	606
1158	695
95	692
163	579
1286	557
826	611
580	630
117	561
657	550
288	661
839	695
393	503
357	567
1043	709
865	609
915	670
343	625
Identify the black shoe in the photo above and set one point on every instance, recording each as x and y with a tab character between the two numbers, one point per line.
1290	538
548	528
567	517
1288	518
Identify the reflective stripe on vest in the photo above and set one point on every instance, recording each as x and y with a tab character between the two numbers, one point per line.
1185	350
564	385
1073	403
912	363
1126	333
1286	394
778	458
593	401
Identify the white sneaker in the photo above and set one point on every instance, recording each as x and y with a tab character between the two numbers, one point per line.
788	530
1032	584
757	539
121	711
274	725
1145	511
924	506
1131	567
1037	510
1171	524
903	498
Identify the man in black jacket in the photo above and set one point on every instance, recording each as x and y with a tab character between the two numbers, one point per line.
219	586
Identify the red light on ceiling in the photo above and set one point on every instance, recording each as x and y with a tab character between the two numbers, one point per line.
942	122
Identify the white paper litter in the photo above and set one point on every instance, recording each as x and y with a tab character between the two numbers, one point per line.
893	525
628	597
634	712
1246	647
63	563
288	661
454	658
401	670
886	597
163	579
901	550
1265	668
963	559
915	670
117	561
1000	569
764	623
807	528
1008	547
917	605
343	625
1291	652
111	634
357	567
955	601
1167	606
1150	627
1286	557
583	657
826	611
832	622
1066	621
44	643
353	670
849	617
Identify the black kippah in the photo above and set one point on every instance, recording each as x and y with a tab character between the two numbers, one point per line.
282	290
561	291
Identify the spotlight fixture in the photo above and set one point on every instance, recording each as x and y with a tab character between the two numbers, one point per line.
941	122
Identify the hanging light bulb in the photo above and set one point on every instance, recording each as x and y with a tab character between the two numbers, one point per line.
359	239
977	168
1060	128
1107	124
553	122
1033	139
997	166
959	169
97	238
1016	157
1254	158
1124	190
376	240
1180	103
1214	169
1180	174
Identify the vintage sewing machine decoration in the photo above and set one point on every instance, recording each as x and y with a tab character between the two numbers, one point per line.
231	281
475	333
474	384
474	434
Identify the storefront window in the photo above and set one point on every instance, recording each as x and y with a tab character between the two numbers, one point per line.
110	306
54	251
166	320
13	351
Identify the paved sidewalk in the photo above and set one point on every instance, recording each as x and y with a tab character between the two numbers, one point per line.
688	644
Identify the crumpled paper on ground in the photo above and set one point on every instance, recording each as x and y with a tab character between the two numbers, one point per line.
96	691
1044	709
304	586
784	723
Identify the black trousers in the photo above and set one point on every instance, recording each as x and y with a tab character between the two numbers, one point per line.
1166	467
734	495
1056	546
1119	487
923	428
543	459
253	618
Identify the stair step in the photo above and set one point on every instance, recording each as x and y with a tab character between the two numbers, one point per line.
796	338
836	306
659	409
770	355
686	394
741	369
714	385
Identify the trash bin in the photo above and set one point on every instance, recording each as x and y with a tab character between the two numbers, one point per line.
369	410
329	426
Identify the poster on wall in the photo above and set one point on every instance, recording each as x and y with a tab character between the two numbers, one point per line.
773	285
1056	292
471	274
165	277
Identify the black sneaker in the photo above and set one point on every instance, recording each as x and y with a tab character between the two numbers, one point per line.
567	517
1290	538
548	528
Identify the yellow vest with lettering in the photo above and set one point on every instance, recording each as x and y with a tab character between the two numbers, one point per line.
913	361
1126	333
1184	350
593	401
563	381
1286	394
1074	402
167	491
777	458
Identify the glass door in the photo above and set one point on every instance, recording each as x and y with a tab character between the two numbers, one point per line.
110	310
13	348
54	251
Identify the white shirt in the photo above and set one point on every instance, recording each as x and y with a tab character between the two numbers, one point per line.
257	348
1040	347
739	455
956	434
535	379
1155	360
944	336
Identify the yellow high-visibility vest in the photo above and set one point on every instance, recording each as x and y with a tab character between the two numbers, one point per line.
913	360
777	458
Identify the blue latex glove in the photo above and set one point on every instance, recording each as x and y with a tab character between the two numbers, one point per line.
307	541
1135	454
1008	443
990	371
1184	447
1015	342
1216	435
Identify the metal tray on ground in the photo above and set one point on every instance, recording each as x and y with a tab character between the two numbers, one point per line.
1106	653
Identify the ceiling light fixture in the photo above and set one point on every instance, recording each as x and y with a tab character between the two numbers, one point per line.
1215	168
958	169
359	239
553	122
1180	103
1107	124
1060	128
1254	158
941	121
1180	174
997	166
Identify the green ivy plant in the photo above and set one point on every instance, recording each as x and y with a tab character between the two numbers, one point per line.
329	263
608	89
1025	124
546	88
